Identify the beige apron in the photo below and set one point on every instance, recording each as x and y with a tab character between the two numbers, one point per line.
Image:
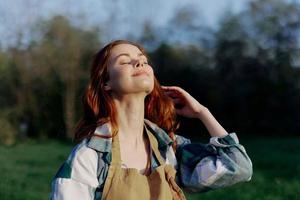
129	184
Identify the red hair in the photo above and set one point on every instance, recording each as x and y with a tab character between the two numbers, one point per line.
99	108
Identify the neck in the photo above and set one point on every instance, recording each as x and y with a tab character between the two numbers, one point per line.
130	118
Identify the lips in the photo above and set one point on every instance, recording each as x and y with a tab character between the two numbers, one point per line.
140	73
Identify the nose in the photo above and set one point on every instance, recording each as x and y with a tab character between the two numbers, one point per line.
139	63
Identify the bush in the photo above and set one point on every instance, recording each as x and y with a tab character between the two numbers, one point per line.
8	133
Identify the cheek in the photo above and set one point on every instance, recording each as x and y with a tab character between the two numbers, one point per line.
118	76
151	73
150	70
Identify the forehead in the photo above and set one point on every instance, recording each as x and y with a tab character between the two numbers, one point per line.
124	48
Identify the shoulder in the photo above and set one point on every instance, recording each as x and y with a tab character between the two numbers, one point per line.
81	165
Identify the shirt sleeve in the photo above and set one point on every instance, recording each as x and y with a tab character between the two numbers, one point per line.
77	177
220	163
70	189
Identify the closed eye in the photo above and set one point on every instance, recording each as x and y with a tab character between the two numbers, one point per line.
130	63
125	63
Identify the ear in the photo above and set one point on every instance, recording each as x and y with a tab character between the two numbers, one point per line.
107	87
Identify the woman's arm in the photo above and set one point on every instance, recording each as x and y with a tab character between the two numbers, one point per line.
191	108
202	167
220	163
214	128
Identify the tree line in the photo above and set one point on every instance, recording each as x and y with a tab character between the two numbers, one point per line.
246	71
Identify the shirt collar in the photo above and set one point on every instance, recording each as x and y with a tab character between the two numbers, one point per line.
104	144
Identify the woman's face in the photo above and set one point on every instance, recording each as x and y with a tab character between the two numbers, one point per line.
129	71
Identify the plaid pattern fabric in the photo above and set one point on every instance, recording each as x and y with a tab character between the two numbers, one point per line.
200	167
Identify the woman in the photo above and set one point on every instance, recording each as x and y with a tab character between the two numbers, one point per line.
127	146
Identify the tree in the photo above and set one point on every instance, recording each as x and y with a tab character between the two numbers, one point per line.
65	51
255	53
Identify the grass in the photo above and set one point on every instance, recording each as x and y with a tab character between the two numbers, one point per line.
27	168
276	163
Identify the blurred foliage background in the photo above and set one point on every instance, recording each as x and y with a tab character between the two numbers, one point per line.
246	70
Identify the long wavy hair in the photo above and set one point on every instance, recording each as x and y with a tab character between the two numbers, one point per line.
99	107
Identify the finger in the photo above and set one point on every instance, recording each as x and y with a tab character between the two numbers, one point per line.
172	94
177	101
165	88
171	90
179	111
169	87
175	89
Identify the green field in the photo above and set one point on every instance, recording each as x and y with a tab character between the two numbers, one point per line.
27	168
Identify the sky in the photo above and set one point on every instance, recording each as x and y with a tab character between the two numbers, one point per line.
117	17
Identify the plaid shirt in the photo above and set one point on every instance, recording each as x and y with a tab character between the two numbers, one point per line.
200	167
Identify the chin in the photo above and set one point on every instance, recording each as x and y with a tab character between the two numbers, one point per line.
145	85
150	88
146	90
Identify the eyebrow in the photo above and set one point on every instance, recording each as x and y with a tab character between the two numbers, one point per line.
126	54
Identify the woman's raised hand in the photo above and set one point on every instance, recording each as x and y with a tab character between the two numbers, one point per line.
185	104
